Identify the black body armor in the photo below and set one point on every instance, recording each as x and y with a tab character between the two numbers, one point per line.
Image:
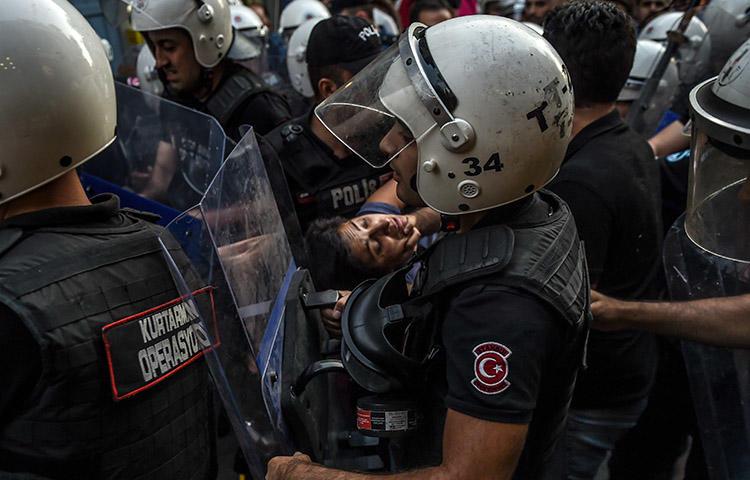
68	285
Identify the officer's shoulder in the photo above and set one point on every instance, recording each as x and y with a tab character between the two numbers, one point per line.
8	238
141	215
286	134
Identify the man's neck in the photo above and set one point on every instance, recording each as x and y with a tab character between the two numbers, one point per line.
585	116
504	212
215	76
65	191
325	136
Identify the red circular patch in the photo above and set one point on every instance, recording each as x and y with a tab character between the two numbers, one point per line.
491	368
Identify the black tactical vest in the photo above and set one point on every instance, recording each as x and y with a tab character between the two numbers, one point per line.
66	284
233	93
322	186
542	257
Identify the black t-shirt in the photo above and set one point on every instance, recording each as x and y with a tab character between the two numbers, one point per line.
517	321
505	357
611	182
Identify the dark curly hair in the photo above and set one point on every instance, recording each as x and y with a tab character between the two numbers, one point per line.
331	262
596	40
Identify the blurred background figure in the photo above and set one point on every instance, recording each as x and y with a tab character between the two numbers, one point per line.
354	8
693	56
296	59
647	9
501	8
298	12
430	12
647	55
534	11
728	21
260	8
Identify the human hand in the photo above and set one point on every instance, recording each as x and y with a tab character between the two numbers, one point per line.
281	468
332	316
607	312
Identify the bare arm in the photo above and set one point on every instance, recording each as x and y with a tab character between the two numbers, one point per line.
165	167
473	449
669	140
723	322
387	194
425	219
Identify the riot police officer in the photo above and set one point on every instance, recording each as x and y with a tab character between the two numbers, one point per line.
192	43
91	386
494	326
324	177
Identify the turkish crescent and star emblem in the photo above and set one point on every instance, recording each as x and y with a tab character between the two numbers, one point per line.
491	368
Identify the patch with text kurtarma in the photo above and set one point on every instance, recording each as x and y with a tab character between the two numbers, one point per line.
147	348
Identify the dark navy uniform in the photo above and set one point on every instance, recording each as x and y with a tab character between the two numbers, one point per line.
102	376
321	184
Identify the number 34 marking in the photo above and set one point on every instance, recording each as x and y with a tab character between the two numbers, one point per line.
475	169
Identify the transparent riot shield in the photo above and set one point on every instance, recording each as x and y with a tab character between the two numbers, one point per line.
164	158
236	241
719	377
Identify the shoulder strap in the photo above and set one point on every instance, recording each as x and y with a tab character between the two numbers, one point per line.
232	93
8	238
460	258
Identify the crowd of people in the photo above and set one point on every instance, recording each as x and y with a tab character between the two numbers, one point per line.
527	209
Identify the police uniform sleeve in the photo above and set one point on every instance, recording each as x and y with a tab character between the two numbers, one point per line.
21	361
498	343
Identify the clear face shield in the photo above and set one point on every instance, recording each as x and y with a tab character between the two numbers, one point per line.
718	210
387	106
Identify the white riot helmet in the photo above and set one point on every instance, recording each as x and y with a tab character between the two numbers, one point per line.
57	100
386	25
298	12
249	25
296	58
489	129
108	50
535	26
694	56
208	22
148	77
647	55
728	22
718	210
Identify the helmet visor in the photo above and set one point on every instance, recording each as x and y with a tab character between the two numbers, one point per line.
378	113
718	210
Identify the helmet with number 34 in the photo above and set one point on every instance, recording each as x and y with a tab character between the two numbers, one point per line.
487	101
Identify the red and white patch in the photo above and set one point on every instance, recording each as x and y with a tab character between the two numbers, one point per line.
491	368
